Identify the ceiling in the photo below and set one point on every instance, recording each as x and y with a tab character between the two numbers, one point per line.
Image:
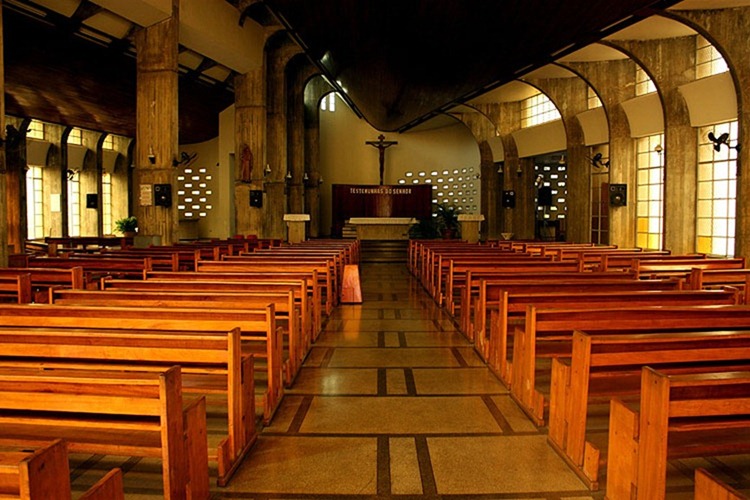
398	63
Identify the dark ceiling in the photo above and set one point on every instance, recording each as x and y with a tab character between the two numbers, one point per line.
397	62
402	61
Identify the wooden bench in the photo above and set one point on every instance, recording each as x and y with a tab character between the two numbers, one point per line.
55	243
44	474
258	330
681	416
211	363
712	278
708	487
322	269
306	290
549	333
606	366
43	279
16	288
93	268
615	262
658	269
287	314
492	342
472	300
111	413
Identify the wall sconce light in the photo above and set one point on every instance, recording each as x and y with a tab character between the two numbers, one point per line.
658	149
562	161
306	177
598	162
320	180
288	176
151	155
499	168
519	172
267	170
722	139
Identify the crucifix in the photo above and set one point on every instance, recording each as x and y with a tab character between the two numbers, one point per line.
382	145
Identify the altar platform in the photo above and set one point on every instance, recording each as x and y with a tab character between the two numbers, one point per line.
382	228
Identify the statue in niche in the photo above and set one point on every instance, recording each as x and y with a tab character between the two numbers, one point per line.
246	164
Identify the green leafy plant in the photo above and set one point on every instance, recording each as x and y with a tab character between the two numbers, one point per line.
425	229
446	220
127	225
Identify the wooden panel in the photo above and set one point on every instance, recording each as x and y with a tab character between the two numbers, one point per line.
352	200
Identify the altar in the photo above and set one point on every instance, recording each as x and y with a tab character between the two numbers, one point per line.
382	228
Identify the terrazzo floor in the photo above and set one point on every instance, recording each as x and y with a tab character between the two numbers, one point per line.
393	402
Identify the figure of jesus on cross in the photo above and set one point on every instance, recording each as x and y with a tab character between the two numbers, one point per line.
382	145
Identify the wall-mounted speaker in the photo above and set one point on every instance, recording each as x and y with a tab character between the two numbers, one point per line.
618	195
163	195
509	199
92	200
544	197
256	198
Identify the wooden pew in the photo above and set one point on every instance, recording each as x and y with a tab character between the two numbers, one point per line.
306	290
708	487
44	474
258	330
475	299
93	267
287	314
659	269
111	413
186	257
605	366
56	243
43	279
211	363
615	262
321	268
16	288
549	333
713	278
680	416
493	320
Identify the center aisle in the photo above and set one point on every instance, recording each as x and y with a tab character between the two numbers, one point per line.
392	400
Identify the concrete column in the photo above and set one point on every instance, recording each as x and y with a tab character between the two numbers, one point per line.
314	90
3	165
570	96
614	83
157	126
671	63
250	142
279	51
728	29
298	73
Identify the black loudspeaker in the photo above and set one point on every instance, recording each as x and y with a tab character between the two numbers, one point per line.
92	200
163	195
544	198
256	198
618	195
509	199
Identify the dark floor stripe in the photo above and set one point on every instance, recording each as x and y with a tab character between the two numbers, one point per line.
461	361
429	487
402	339
382	382
381	339
497	415
411	384
397	314
381	314
327	357
84	466
299	417
438	326
384	466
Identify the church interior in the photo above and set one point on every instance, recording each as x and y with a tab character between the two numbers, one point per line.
358	249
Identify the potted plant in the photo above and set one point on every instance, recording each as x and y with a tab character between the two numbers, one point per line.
127	226
446	219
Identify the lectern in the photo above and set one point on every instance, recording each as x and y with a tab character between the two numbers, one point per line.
295	224
470	226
